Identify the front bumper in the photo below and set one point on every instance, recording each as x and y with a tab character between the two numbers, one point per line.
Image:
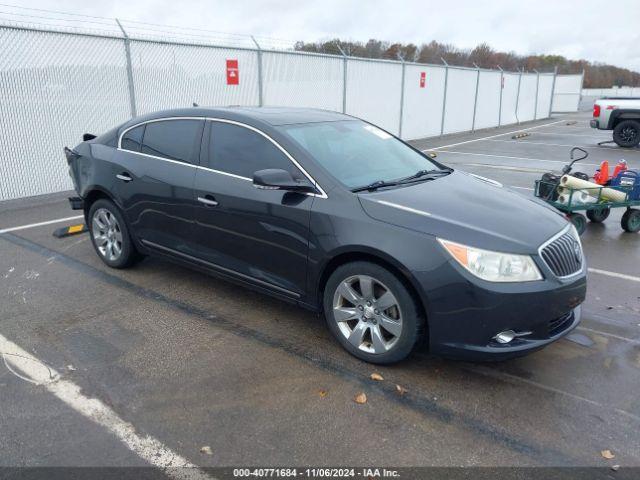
464	316
594	124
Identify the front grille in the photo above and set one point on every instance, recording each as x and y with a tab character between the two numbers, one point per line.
564	255
559	324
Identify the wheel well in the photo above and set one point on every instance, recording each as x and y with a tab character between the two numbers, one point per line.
91	198
349	257
625	116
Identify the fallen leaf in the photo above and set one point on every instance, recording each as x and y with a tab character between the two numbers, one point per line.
615	468
607	454
206	450
377	377
401	390
609	307
322	393
361	398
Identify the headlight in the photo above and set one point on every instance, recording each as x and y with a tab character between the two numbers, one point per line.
493	266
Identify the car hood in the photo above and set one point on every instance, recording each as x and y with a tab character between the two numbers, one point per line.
467	209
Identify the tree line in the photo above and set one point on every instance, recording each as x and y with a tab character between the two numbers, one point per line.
596	74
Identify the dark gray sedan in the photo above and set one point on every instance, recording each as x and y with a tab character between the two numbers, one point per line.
330	212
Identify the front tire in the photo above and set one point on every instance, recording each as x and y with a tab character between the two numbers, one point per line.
110	235
627	133
371	313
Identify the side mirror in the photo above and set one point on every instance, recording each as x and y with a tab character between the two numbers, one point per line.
276	179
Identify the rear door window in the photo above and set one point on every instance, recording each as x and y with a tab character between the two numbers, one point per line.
132	139
173	139
241	151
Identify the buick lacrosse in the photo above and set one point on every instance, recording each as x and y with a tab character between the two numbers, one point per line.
396	250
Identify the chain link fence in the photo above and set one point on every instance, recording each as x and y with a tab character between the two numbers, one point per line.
57	85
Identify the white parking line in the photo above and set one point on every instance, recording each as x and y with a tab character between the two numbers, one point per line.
515	158
493	136
622	276
599	139
40	224
146	447
527	142
607	334
501	167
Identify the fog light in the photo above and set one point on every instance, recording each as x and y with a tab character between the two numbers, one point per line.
505	337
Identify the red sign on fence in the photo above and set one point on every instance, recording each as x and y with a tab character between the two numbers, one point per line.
423	79
233	75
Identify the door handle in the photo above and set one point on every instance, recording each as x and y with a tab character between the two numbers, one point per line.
208	200
124	176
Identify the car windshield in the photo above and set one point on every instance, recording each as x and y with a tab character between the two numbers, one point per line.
357	153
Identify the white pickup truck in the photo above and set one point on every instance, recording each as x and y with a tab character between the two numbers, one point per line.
620	114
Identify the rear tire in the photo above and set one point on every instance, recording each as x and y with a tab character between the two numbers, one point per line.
627	133
631	220
579	221
110	235
598	215
372	313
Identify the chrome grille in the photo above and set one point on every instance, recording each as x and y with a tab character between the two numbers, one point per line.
563	255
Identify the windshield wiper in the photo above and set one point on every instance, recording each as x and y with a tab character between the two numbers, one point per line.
420	174
425	173
375	185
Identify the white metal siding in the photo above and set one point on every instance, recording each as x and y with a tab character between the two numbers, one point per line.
487	110
509	98
373	92
527	97
54	88
422	111
461	92
566	95
294	80
171	76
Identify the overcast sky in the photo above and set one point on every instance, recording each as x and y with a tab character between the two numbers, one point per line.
594	30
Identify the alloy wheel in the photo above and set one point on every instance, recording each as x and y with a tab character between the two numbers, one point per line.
367	313
628	134
107	234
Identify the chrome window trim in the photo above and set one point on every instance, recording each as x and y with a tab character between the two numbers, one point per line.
562	232
322	193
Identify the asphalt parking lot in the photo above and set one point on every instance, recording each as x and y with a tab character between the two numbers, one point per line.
158	361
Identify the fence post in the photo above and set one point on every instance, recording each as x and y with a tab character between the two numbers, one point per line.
401	95
501	92
444	97
127	51
535	111
475	100
260	94
344	79
518	96
553	89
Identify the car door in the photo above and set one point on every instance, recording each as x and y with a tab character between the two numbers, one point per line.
260	235
157	163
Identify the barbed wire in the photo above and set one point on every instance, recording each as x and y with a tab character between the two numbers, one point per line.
58	21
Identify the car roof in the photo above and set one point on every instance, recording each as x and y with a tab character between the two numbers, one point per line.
273	116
